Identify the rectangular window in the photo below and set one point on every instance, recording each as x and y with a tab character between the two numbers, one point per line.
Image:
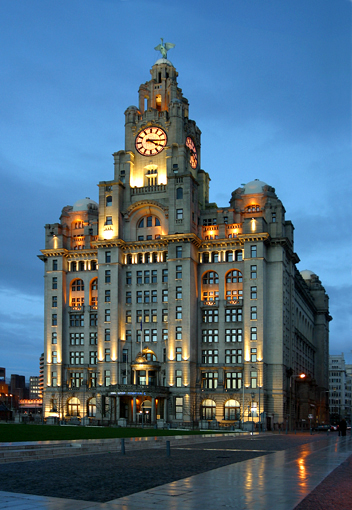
179	252
108	276
54	357
140	238
178	333
154	296
76	379
253	292
179	214
253	272
178	292
210	335
178	312
253	379
128	316
154	335
253	313
178	353
108	220
139	316
128	278
54	283
146	335
139	277
273	217
93	357
165	315
146	316
154	315
54	319
253	251
139	296
178	378
53	378
107	296
129	297
179	408
154	276
146	276
107	257
54	337
128	335
233	315
93	338
254	355
178	272
164	295
165	334
76	320
76	338
210	380
55	265
107	315
210	356
165	276
210	315
233	356
107	355
92	380
233	335
124	355
146	296
107	377
107	335
253	333
233	380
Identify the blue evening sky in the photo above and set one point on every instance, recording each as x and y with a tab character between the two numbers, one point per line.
269	85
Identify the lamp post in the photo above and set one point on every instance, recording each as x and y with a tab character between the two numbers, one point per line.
301	376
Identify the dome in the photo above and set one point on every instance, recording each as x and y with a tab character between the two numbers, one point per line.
255	186
163	61
307	274
132	107
84	204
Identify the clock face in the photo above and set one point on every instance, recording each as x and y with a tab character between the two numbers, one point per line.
150	141
194	156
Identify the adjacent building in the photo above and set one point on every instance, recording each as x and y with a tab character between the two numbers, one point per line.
163	307
340	385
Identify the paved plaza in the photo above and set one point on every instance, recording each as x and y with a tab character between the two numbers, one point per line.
248	472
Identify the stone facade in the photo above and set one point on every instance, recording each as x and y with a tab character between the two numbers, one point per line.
200	315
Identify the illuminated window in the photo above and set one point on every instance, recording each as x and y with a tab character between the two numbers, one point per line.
208	409
54	357
154	316
254	355
253	333
210	335
210	380
76	338
93	338
232	407
253	376
107	377
179	214
233	335
178	378
233	356
107	355
210	315
179	408
54	383
165	315
210	356
54	337
252	208
178	334
233	315
165	334
233	380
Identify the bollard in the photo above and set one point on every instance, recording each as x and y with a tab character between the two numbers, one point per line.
167	448
123	446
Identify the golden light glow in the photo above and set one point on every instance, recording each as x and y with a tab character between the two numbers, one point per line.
108	233
302	376
253	225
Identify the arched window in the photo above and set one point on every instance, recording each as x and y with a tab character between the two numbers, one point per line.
208	409
73	407
148	227
77	293
233	285
238	255
92	407
94	293
215	256
252	208
229	256
232	410
210	286
179	193
109	201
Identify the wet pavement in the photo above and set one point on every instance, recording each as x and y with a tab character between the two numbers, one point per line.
260	472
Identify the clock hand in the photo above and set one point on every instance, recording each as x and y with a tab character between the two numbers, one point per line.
155	142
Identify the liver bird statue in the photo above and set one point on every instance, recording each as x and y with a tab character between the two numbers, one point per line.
164	48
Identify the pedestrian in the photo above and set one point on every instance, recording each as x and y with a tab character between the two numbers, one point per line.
343	427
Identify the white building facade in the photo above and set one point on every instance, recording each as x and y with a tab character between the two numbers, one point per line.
164	308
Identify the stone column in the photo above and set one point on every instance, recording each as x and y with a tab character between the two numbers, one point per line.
134	410
117	408
153	409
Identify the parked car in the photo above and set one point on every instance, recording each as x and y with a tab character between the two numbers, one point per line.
322	428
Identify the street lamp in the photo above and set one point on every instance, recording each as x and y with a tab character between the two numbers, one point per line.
301	376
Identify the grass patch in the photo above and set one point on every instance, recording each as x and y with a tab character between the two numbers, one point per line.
10	433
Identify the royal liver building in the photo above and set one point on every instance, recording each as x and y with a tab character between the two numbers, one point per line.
164	308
